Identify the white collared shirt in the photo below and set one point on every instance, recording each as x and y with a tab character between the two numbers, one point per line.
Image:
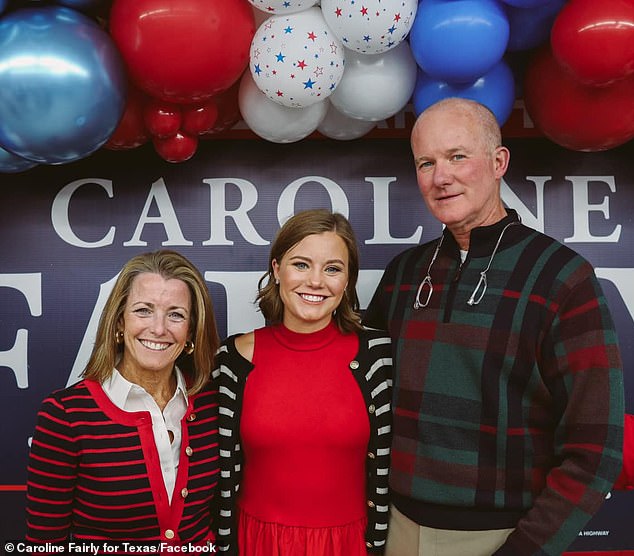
132	397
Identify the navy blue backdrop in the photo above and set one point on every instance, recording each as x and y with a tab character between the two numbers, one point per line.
67	230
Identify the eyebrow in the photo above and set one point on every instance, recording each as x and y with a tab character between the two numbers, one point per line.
330	261
152	305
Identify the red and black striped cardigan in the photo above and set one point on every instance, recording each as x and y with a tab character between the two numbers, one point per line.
94	471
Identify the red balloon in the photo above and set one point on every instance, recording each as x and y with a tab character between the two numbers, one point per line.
163	119
594	39
178	148
183	51
576	116
131	131
200	118
228	110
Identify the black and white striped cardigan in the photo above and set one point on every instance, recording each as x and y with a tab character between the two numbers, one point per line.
372	368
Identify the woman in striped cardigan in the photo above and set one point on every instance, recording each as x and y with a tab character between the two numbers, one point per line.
305	407
130	452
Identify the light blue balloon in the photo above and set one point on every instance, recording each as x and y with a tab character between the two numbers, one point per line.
12	164
495	89
458	41
62	84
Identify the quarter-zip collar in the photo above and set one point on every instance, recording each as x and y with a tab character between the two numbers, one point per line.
484	238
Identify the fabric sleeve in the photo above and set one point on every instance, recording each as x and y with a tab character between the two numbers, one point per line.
379	383
229	375
581	365
52	473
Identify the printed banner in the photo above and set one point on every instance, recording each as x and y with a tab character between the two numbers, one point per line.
67	230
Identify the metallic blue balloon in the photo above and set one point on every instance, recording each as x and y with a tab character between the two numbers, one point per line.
62	84
11	164
495	89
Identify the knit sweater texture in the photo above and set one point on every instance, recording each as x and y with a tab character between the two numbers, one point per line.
507	412
94	471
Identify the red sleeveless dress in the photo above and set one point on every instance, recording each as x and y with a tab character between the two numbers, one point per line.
304	431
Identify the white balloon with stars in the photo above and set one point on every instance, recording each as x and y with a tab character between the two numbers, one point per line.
282	6
370	26
295	60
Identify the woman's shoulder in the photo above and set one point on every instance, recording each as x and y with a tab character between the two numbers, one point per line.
244	344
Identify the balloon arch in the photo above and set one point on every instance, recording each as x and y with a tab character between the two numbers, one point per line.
117	74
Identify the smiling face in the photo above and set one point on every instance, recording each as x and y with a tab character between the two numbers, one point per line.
155	325
312	276
458	168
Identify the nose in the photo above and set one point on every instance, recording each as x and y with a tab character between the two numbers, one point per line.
158	324
441	174
315	278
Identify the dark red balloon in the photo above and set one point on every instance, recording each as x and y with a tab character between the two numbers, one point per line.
183	51
131	131
576	116
594	40
199	119
228	110
178	148
162	119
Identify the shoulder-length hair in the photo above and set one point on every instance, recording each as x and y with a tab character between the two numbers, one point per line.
296	228
168	264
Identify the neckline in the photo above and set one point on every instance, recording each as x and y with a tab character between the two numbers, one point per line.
302	341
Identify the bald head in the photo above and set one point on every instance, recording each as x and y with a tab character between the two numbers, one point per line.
486	122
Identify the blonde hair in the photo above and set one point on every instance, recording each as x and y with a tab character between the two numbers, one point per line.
303	224
169	265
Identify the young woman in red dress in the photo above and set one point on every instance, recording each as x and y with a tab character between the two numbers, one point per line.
305	407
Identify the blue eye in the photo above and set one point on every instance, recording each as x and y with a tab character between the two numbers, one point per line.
300	265
175	316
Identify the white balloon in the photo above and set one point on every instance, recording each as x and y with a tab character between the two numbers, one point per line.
282	6
272	121
375	87
370	27
341	127
296	60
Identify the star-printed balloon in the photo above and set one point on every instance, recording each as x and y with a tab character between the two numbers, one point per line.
371	26
282	6
295	60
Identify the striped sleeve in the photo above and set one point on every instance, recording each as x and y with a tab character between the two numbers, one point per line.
374	376
52	471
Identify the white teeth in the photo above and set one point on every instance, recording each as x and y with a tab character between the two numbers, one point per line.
154	346
313	298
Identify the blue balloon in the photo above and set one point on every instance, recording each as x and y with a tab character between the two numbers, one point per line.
11	163
526	3
62	84
458	41
530	27
495	89
83	5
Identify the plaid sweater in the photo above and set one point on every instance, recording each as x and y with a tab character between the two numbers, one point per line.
509	412
94	471
372	369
